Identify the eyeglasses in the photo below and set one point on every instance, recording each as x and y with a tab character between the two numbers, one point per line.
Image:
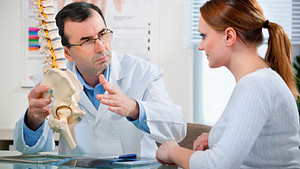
104	37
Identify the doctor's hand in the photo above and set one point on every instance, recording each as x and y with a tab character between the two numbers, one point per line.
39	107
201	143
117	101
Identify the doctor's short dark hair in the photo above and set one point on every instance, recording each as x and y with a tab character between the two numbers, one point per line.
78	12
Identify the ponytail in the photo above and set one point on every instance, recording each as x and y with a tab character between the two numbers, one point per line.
278	55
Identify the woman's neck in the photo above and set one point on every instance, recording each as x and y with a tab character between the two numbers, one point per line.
245	60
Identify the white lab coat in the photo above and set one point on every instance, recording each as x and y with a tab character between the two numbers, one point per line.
104	132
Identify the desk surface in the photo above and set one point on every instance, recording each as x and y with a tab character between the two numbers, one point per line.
20	165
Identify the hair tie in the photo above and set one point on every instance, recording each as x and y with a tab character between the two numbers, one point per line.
266	24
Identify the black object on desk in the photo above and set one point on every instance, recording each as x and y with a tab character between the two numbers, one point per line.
86	162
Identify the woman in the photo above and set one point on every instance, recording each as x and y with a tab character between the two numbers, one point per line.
259	127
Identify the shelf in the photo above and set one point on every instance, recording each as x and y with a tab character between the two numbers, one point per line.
8	134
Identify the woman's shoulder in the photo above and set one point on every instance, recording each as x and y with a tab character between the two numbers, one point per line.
267	82
265	77
263	74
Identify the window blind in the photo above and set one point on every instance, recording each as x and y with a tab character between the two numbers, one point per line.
296	21
196	4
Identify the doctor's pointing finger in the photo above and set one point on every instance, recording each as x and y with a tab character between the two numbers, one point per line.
117	101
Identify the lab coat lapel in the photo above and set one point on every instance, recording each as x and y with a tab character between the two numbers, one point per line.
87	104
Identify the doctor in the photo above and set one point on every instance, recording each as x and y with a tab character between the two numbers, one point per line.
126	103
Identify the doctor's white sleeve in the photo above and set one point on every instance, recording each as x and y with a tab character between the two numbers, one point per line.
45	142
164	118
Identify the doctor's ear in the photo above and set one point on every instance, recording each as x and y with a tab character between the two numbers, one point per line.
230	36
67	54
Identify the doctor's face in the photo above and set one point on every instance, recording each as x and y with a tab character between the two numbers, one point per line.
94	55
213	43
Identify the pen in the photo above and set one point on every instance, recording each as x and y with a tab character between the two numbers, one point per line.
126	156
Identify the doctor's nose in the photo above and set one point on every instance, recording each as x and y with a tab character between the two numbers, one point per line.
99	46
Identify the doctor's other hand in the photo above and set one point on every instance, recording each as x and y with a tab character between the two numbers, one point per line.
201	143
39	107
164	151
117	101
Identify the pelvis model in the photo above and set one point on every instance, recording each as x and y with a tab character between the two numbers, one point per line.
64	86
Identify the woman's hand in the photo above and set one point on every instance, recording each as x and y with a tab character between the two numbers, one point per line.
164	151
201	143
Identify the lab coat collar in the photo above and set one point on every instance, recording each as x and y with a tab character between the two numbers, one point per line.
116	73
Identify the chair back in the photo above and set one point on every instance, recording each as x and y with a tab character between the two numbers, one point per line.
193	131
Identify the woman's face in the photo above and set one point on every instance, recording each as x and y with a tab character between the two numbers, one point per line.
214	45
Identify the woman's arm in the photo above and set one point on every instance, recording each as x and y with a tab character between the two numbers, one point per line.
170	152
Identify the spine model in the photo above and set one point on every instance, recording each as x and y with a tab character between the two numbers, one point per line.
64	86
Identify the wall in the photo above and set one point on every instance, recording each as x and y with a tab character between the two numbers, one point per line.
177	53
175	59
13	99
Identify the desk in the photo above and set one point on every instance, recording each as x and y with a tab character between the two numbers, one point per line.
19	165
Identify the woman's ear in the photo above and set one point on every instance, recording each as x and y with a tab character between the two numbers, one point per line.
230	36
67	54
